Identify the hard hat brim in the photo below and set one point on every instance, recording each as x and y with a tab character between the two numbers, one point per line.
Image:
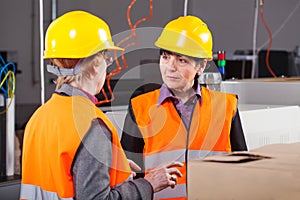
69	54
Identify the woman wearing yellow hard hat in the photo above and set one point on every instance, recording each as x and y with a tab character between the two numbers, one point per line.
181	120
71	150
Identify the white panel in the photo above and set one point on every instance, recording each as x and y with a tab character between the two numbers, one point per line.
264	124
10	136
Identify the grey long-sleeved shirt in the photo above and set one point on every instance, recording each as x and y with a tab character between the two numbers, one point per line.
92	161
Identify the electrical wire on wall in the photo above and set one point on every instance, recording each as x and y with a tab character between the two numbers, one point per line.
7	85
119	67
261	11
295	8
8	80
271	36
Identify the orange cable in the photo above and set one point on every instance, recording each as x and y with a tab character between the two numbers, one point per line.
270	43
118	69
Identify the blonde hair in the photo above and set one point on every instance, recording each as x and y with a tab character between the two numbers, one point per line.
85	68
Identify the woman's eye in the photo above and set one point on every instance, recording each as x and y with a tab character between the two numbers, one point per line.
183	61
165	57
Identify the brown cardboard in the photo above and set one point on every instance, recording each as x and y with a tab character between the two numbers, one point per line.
268	173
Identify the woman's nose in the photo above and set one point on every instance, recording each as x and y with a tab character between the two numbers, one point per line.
172	63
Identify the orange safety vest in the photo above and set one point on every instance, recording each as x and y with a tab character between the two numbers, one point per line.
52	137
165	134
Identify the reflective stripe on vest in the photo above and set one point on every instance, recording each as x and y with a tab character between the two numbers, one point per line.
65	121
180	192
165	134
157	159
34	192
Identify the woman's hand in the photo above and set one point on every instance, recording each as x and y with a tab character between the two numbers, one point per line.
134	166
164	176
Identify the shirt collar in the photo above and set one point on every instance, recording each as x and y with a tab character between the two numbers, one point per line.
166	93
72	91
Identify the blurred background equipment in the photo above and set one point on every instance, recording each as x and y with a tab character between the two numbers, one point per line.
221	62
7	86
2	136
279	60
211	77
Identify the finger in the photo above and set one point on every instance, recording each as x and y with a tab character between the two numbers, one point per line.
174	171
133	174
173	178
172	183
133	165
174	164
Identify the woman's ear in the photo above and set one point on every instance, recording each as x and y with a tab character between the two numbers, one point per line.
202	66
95	69
97	64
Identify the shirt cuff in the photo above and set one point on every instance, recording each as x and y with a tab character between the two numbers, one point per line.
145	188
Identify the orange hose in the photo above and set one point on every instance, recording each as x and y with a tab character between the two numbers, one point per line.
270	43
119	67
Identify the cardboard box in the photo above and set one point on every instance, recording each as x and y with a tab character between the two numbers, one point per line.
269	172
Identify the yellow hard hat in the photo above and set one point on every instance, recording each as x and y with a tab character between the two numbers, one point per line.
77	34
187	35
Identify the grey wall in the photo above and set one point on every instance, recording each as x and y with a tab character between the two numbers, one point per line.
231	22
